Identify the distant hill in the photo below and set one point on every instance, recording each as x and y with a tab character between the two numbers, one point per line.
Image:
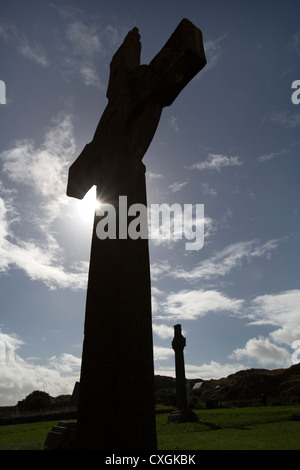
279	386
248	384
245	386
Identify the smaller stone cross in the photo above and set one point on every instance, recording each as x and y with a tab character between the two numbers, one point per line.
182	413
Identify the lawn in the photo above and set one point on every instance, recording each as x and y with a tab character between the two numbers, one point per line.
257	428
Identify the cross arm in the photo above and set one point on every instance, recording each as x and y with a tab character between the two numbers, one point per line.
177	63
81	174
136	95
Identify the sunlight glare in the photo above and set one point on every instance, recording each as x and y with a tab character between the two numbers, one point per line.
87	206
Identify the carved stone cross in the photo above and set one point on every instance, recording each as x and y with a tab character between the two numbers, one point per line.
182	413
116	398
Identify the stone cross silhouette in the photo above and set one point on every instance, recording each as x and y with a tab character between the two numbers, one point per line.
182	413
116	396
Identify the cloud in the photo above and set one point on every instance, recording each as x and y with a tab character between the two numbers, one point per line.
42	168
284	119
19	377
162	353
270	156
212	370
40	263
263	352
231	257
31	50
174	123
192	304
177	186
215	162
67	11
213	52
163	331
83	50
151	175
66	364
159	268
86	46
27	238
208	190
85	40
279	310
224	261
90	76
34	52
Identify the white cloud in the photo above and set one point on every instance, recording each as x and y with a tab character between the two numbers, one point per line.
34	52
31	50
162	353
192	304
66	364
263	352
215	162
67	11
174	123
90	76
284	119
213	370
208	190
177	186
280	310
19	377
151	175
159	268
44	171
85	40
224	261
270	156
163	331
213	52
40	263
42	168
86	46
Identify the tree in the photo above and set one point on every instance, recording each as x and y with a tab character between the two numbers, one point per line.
35	401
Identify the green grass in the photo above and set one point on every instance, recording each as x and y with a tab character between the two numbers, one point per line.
257	428
25	436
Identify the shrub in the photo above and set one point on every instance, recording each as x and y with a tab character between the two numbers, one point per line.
35	401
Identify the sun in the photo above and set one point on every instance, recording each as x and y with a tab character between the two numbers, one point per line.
86	207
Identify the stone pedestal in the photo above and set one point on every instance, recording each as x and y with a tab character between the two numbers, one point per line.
182	416
62	437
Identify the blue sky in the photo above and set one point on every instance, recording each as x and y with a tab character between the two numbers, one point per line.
230	141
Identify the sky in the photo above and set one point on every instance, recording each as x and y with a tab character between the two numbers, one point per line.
230	141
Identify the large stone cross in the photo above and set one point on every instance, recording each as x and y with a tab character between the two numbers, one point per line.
116	398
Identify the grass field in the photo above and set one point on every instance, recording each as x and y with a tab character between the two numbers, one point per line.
257	428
